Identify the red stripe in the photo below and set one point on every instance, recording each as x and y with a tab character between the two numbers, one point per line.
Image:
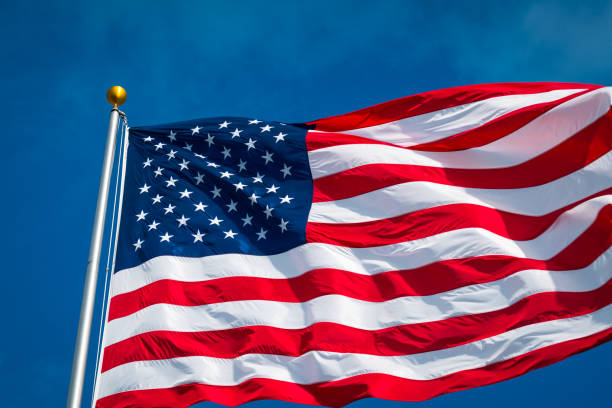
393	341
479	136
434	278
567	157
342	392
433	101
436	220
493	130
320	140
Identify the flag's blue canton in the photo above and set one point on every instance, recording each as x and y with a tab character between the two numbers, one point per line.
214	186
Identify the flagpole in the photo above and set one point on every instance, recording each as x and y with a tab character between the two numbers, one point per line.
116	96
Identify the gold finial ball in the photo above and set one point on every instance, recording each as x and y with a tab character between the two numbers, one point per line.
116	95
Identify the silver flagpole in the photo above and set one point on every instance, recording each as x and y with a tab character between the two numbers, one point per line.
116	96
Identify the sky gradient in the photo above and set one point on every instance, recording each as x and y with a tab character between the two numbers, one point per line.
284	61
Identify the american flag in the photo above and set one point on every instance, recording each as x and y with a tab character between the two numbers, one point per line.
433	243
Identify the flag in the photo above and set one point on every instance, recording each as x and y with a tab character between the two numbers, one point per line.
433	243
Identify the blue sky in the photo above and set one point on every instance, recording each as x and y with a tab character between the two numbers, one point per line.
286	61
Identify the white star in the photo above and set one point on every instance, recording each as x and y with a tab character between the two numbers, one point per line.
280	137
146	163
216	192
141	216
148	139
159	146
187	146
137	244
224	124
158	172
171	154
153	225
229	234
254	198
200	207
215	221
286	199
254	122
272	189
266	128
166	237
226	174
246	220
286	170
226	153
195	130
268	211
198	155
199	178
144	189
171	182
231	206
157	199
250	144
186	193
241	165
267	157
172	136
211	164
239	186
236	133
169	209
182	221
258	178
283	225
197	237
261	234
209	140
183	165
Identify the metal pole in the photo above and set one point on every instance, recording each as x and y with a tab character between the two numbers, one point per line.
79	361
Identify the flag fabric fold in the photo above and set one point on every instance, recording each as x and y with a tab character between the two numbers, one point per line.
430	244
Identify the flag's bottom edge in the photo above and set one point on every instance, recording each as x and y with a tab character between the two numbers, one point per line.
342	392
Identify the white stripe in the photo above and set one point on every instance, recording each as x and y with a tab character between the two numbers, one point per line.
473	299
408	197
443	123
533	139
456	244
322	366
